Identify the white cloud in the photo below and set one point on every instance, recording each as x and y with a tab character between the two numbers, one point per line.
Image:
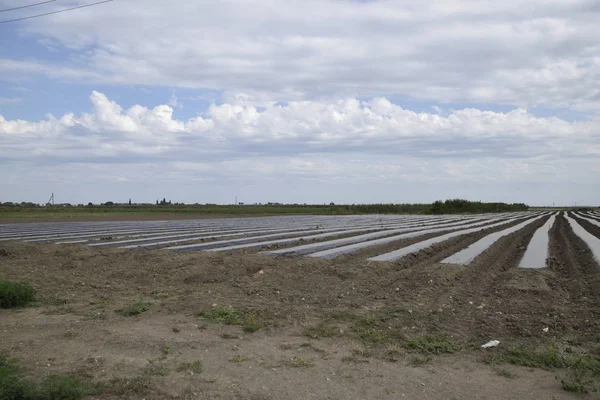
546	54
452	147
10	100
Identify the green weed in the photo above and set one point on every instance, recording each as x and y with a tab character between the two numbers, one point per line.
135	309
15	294
431	344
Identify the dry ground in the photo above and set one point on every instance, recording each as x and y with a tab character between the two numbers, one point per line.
323	329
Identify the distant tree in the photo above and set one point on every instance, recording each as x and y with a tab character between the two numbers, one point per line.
90	204
129	201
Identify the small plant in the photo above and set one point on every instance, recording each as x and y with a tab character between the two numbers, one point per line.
135	309
503	372
61	387
13	386
354	360
578	380
238	359
418	361
320	331
166	350
124	387
299	362
393	351
528	357
156	369
431	344
226	315
363	351
15	294
229	336
195	367
251	324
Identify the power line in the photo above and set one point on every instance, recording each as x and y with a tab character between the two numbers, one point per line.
55	12
30	5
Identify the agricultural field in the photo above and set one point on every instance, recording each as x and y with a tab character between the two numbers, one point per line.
310	306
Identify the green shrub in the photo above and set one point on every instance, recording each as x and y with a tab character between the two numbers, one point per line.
15	294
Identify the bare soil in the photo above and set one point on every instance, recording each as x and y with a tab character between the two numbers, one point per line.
362	312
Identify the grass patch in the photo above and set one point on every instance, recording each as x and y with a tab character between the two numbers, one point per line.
13	386
431	344
578	381
505	373
393	351
583	370
15	294
320	331
549	358
298	362
155	369
135	308
354	360
251	324
232	316
124	387
195	367
166	350
418	361
229	336
363	351
238	359
225	315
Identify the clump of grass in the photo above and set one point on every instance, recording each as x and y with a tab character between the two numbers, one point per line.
418	361
582	370
232	316
393	351
62	387
195	367
505	373
431	344
238	359
321	330
229	336
15	294
226	315
363	351
578	380
251	324
135	308
354	360
166	350
298	362
156	369
124	387
549	358
13	386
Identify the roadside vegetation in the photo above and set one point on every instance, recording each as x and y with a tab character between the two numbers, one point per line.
30	210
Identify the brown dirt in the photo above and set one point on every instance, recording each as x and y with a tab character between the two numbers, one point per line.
74	328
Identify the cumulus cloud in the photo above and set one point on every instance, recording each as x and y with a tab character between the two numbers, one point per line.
543	53
230	131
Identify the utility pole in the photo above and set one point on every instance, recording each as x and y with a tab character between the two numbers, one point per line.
235	200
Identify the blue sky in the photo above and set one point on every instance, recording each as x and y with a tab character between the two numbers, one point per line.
334	100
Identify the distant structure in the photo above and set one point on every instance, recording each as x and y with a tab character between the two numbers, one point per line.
51	200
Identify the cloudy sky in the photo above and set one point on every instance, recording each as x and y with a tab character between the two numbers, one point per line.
313	101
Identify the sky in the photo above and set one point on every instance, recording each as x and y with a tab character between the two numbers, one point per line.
313	101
